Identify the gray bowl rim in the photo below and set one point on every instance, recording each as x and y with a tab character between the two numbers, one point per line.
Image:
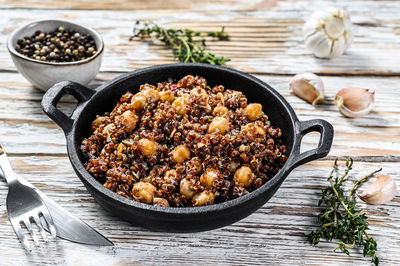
12	50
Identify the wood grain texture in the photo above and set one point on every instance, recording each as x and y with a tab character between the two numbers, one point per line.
275	234
132	4
262	41
266	41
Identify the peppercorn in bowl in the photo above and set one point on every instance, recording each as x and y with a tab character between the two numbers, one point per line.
49	51
183	147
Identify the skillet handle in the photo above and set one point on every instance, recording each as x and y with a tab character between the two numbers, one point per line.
324	145
53	96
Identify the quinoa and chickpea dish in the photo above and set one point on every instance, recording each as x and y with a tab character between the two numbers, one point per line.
184	144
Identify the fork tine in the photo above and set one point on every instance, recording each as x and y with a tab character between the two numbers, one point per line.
39	225
20	235
30	230
49	222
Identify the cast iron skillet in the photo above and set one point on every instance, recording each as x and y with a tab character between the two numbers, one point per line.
96	101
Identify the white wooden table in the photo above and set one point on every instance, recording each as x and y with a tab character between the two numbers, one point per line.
265	41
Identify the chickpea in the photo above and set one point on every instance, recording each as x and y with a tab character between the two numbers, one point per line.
250	126
207	179
108	130
197	165
149	147
254	111
243	176
167	96
202	95
172	177
151	95
221	98
160	202
130	120
184	188
100	120
220	110
204	198
180	105
180	154
143	192
138	101
219	123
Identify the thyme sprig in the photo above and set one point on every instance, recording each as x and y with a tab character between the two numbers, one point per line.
186	45
339	218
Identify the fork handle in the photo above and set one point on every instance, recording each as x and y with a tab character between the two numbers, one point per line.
5	165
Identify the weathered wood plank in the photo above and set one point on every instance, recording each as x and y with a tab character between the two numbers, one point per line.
130	5
274	234
263	41
377	134
266	40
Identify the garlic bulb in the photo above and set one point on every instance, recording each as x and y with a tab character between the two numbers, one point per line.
354	102
381	191
308	87
328	33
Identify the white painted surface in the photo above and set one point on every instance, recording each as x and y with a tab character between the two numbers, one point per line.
264	40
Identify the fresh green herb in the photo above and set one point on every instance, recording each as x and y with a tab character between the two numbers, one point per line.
187	45
339	218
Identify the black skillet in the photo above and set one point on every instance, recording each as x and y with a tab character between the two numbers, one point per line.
96	101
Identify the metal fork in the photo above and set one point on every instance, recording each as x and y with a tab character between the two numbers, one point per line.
24	206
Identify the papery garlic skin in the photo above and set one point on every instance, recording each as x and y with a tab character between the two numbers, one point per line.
355	102
328	33
381	191
308	87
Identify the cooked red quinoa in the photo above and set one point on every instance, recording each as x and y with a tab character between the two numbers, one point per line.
184	144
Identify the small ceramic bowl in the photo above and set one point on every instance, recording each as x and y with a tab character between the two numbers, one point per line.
45	74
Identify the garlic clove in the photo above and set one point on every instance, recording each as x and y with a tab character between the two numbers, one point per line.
319	43
354	102
334	28
348	36
337	47
381	191
308	87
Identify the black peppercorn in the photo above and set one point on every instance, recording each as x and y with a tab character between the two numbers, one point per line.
60	45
